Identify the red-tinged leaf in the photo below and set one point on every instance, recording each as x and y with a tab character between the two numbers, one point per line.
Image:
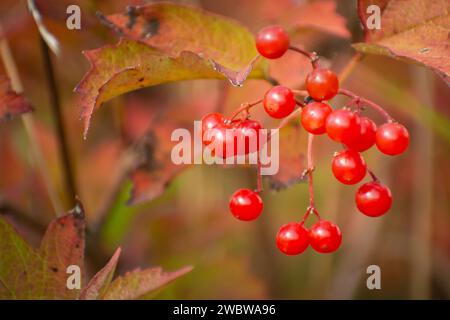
415	30
156	170
29	274
174	28
169	43
139	283
320	15
11	103
291	157
102	279
236	78
61	247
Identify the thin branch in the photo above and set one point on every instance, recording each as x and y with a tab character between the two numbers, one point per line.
28	122
22	217
59	121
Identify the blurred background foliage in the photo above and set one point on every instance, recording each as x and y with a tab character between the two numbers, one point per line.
190	222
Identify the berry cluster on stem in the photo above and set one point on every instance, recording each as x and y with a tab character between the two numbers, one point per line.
346	126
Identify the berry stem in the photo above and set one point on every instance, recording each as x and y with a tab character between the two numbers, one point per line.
302	93
373	176
285	121
312	56
362	100
310	165
299	103
244	107
259	184
309	172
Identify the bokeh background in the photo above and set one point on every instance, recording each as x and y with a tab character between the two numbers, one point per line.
190	223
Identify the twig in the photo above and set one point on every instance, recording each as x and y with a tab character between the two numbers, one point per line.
59	119
22	217
28	122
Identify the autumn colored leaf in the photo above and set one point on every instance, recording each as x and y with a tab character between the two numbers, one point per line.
11	103
415	30
26	273
291	161
139	283
156	169
305	16
98	285
162	43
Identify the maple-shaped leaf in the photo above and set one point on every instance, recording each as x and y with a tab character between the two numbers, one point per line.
11	103
291	159
26	273
414	30
139	283
161	43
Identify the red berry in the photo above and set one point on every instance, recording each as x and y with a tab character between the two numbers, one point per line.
279	102
325	237
373	199
210	121
392	138
348	167
366	137
292	238
314	116
246	204
322	84
272	42
343	126
249	135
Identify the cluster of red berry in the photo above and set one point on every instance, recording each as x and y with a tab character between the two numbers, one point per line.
346	126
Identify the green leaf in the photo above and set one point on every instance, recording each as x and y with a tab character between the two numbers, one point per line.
29	274
163	43
26	273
